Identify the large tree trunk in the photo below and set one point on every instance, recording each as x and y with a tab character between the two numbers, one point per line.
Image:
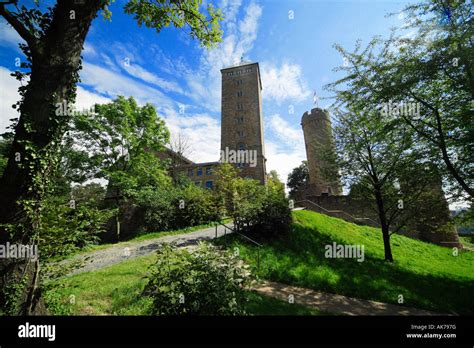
56	61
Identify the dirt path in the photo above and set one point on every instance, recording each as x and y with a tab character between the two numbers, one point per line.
333	303
129	250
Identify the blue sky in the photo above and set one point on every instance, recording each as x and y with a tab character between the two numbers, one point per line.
291	40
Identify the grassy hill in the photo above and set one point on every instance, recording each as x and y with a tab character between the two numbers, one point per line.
426	275
117	290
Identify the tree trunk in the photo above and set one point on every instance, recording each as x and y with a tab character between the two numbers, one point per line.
384	225
55	62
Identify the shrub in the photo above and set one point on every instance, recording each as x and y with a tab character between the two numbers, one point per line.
168	207
194	206
64	230
262	210
204	281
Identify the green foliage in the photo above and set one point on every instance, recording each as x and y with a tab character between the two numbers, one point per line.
195	206
161	14
120	138
434	69
64	230
298	178
254	207
204	281
167	207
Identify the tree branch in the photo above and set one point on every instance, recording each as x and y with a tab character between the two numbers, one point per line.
25	34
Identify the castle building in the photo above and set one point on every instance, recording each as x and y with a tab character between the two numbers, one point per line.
318	138
242	119
242	141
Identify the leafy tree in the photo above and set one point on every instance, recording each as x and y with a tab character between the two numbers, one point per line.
434	69
54	41
298	178
378	155
118	142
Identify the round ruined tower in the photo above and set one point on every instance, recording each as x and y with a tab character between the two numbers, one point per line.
319	143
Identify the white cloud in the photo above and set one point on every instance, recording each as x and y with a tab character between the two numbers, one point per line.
86	99
205	84
289	151
283	159
201	130
9	95
112	84
147	76
284	131
9	37
283	83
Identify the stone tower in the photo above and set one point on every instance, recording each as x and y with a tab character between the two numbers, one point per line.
319	142
242	120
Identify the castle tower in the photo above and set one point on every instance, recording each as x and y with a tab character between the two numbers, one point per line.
242	119
319	142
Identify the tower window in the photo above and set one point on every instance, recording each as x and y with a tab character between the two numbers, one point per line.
240	107
238	82
240	134
241	146
239	93
240	119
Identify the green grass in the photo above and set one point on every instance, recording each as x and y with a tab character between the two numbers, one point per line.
116	290
426	275
467	241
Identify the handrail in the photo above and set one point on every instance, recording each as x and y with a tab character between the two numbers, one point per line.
339	211
247	238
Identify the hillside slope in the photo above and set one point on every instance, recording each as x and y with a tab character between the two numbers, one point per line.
425	275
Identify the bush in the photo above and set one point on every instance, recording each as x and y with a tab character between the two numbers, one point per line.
168	208
261	210
205	281
194	206
64	230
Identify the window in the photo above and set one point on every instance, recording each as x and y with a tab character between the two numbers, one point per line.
239	93
209	171
240	106
197	183
190	172
240	119
240	134
239	165
209	184
241	146
238	82
199	172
